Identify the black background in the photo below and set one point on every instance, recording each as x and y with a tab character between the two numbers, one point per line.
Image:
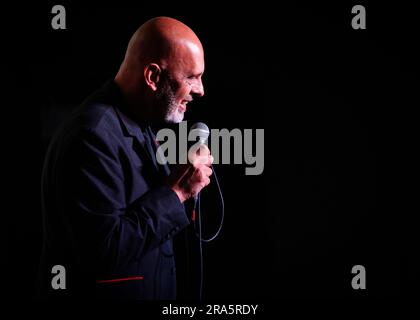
337	106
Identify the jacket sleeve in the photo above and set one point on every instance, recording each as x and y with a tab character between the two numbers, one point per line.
92	201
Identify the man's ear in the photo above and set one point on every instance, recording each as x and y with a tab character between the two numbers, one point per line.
152	75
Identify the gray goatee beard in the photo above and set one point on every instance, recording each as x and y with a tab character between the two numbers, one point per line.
167	104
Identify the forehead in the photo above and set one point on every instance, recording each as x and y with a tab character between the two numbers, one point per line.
188	56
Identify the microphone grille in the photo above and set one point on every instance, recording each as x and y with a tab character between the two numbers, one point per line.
202	128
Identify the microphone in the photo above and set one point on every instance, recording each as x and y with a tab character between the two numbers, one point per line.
200	130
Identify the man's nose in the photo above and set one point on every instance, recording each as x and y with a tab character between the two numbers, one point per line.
198	88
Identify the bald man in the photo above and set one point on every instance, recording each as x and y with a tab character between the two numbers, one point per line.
110	211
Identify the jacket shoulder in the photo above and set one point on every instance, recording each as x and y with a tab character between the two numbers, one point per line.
95	117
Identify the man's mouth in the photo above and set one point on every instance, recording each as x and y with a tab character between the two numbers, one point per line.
183	105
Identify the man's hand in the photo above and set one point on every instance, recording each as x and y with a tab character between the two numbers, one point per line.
188	180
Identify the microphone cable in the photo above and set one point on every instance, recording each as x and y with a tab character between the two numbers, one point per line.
197	209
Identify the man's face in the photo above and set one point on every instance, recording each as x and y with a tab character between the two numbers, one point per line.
181	82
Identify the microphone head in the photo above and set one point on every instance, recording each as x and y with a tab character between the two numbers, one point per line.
200	130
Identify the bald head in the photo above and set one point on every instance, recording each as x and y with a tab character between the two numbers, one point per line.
162	54
159	40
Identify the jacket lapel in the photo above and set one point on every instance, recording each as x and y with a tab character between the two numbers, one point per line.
133	130
164	167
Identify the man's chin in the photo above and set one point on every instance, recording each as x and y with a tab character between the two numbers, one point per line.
175	118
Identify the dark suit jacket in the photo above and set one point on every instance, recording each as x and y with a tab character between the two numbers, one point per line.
108	218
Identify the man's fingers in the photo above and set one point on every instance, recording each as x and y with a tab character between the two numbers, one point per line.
207	181
208	172
210	160
201	155
203	160
192	178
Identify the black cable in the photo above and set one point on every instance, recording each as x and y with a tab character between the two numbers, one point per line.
199	235
222	202
201	249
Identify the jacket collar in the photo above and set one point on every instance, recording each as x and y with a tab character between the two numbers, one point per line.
130	127
116	99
